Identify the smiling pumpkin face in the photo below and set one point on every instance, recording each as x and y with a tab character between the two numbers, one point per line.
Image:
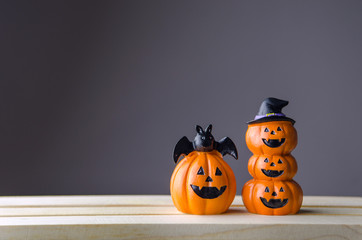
273	138
272	167
203	183
208	192
272	197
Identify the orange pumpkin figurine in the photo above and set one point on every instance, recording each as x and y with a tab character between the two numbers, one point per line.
274	137
272	167
202	182
271	137
272	197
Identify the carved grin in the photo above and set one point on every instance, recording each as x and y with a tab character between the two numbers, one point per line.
274	203
272	173
274	143
208	192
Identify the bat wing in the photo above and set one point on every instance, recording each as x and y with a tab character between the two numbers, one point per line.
227	146
183	147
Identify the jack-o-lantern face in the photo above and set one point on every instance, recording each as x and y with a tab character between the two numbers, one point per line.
203	183
274	202
208	192
274	138
272	197
272	167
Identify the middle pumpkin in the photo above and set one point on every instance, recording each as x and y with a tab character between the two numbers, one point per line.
272	167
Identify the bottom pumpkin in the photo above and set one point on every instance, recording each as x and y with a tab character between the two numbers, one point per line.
203	183
272	197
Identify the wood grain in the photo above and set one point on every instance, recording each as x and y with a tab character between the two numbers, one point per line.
155	217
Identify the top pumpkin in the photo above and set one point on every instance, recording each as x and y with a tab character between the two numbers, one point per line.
271	138
271	132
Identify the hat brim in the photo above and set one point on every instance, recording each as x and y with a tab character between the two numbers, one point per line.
272	119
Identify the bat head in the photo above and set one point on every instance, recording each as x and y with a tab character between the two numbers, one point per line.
204	141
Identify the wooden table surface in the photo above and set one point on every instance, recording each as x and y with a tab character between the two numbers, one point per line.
155	217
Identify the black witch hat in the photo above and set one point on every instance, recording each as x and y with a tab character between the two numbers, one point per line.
271	110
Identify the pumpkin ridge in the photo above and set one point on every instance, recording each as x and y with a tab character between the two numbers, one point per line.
227	170
177	168
252	187
295	203
186	179
294	164
187	164
174	175
251	163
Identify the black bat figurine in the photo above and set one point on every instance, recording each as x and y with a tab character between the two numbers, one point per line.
204	142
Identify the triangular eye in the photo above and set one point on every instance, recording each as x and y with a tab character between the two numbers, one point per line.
280	161
281	189
266	160
279	129
267	189
201	171
218	172
266	130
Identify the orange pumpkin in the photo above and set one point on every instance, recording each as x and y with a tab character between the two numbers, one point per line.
203	183
272	167
272	197
272	138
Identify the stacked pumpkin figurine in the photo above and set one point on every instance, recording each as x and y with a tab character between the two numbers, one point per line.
271	137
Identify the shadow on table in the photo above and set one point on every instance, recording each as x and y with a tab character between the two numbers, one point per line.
236	211
308	211
301	212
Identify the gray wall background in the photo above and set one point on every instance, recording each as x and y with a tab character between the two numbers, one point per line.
95	95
